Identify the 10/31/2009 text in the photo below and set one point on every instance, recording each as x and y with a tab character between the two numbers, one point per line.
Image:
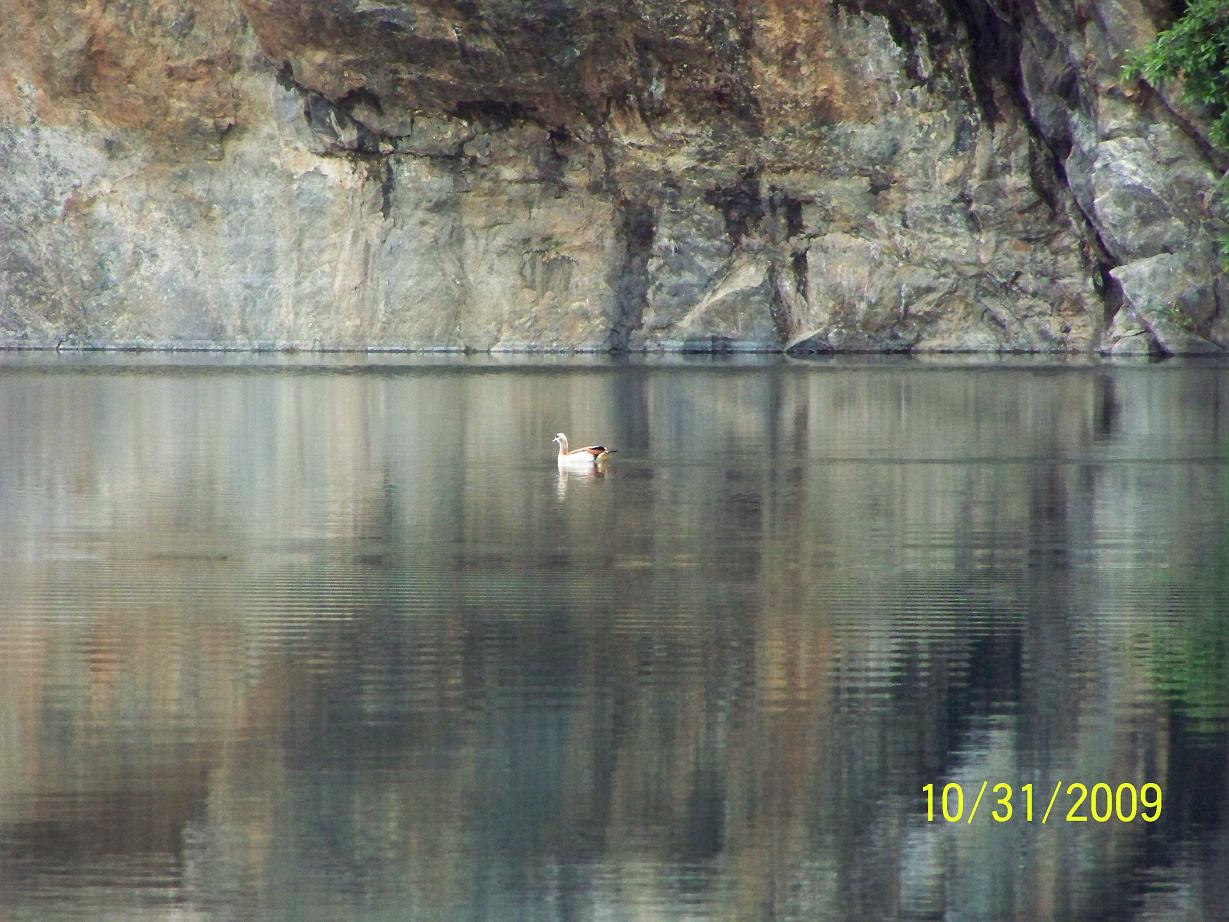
1100	803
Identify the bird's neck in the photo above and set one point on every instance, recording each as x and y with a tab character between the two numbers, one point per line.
563	446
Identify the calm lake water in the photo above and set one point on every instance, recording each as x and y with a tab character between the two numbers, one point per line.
295	641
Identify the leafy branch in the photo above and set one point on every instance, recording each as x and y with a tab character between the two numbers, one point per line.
1195	50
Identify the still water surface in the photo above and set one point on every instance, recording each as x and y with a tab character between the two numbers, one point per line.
294	641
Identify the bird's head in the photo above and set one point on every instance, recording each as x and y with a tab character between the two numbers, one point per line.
559	437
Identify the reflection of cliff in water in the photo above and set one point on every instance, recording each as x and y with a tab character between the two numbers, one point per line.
308	638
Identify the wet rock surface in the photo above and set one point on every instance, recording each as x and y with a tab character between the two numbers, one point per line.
585	174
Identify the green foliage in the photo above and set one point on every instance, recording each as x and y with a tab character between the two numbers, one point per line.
1175	315
1195	49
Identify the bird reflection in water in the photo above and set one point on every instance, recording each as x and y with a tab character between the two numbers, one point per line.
590	473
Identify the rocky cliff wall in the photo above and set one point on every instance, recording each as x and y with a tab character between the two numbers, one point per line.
600	174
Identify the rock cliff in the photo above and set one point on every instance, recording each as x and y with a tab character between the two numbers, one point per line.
600	174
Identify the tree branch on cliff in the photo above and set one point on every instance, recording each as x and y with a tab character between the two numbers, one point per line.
1195	50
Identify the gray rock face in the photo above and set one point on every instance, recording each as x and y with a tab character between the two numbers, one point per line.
588	174
1139	170
1167	294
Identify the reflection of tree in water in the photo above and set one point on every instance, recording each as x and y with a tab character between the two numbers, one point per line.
692	686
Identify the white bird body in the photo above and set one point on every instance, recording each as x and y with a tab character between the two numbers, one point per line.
588	456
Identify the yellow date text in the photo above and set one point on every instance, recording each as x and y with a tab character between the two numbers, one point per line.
1075	802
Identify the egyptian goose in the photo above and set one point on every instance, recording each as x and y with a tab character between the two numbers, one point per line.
587	456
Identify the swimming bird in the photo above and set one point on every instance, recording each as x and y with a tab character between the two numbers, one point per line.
581	457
